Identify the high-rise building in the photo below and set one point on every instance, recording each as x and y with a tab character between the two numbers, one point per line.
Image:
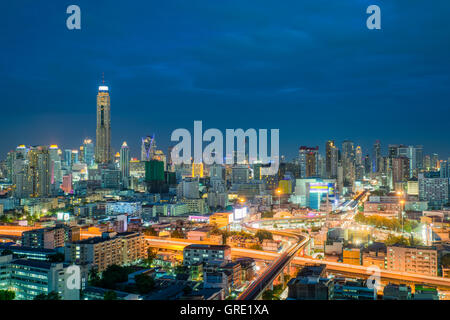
68	158
309	161
427	163
148	148
433	189
331	159
376	156
154	176
367	164
39	174
103	133
75	157
435	162
55	167
348	161
400	169
125	164
197	170
311	165
89	150
240	174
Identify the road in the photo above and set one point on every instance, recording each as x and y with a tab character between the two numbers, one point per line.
268	276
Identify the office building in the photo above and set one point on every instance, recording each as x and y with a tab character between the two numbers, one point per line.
29	278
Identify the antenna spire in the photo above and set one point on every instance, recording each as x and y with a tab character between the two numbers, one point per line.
103	77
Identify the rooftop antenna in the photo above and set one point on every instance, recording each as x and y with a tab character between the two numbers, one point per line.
103	77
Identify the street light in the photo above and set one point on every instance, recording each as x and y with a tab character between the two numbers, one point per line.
279	197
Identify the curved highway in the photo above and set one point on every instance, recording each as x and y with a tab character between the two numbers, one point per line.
268	276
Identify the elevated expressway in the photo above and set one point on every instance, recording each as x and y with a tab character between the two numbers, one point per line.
255	290
334	267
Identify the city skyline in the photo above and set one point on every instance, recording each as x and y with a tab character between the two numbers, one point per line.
164	75
225	151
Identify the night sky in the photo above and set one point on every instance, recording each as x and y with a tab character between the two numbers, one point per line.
308	67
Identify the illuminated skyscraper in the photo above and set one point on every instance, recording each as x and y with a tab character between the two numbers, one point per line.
56	177
312	161
39	172
103	141
148	148
88	152
331	159
376	156
125	164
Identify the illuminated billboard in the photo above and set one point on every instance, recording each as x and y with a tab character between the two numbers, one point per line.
63	216
240	213
322	187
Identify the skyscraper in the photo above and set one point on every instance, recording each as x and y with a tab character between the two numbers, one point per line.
88	152
376	156
312	161
348	161
103	142
55	167
148	148
39	174
125	164
331	159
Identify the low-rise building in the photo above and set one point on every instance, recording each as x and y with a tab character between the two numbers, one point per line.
206	254
396	292
413	259
311	283
353	290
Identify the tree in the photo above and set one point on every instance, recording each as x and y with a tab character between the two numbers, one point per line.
151	256
6	252
255	247
94	278
391	240
144	283
180	269
177	234
267	214
51	296
7	295
112	275
264	234
268	295
360	218
110	295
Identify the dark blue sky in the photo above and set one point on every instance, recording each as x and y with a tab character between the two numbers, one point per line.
308	67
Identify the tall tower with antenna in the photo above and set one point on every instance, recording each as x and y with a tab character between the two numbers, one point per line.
103	132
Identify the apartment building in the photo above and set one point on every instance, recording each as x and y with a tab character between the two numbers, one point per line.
48	238
111	248
413	259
